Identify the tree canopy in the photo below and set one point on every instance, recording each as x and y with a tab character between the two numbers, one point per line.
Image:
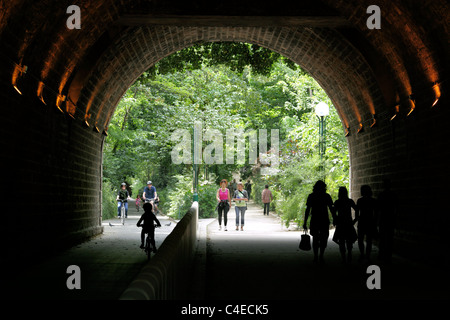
225	86
235	55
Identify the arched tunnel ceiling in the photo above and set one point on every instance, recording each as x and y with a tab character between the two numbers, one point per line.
318	51
364	71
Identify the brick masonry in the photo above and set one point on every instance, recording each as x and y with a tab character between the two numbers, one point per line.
53	162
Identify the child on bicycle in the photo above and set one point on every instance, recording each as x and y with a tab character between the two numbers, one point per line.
147	226
138	202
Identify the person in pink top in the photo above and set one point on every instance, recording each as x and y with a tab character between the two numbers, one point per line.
224	203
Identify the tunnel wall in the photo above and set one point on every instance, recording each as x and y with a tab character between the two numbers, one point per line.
412	151
52	174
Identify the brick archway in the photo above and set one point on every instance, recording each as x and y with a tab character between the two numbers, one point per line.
344	74
82	74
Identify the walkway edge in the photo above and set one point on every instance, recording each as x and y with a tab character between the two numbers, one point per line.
166	275
198	283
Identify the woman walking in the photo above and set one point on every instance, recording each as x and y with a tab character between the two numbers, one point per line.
241	198
345	233
318	203
224	203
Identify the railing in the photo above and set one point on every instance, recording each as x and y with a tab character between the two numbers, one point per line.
167	275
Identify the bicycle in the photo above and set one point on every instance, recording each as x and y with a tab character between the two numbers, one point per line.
148	248
138	205
154	202
122	211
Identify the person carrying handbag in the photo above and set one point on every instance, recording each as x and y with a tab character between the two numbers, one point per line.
317	204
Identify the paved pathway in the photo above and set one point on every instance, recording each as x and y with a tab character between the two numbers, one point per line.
264	262
108	263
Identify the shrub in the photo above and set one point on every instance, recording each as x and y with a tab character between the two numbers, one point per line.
179	197
207	200
109	206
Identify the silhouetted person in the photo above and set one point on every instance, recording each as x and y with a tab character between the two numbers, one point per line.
317	204
387	205
345	233
146	220
366	215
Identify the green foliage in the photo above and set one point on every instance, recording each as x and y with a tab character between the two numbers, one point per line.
234	55
179	198
301	167
207	200
177	201
109	205
225	86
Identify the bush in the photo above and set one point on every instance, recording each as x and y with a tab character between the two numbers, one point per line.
207	200
179	197
109	206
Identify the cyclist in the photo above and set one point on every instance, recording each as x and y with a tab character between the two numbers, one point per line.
138	202
148	227
150	195
124	195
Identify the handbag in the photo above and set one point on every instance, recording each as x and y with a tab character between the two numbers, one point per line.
305	242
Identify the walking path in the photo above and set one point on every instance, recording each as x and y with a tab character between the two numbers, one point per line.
108	263
264	262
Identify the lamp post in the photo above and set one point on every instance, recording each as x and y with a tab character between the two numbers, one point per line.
322	110
197	153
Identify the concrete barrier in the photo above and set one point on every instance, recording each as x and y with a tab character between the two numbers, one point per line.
166	276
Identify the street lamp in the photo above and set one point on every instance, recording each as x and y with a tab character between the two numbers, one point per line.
322	110
196	145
